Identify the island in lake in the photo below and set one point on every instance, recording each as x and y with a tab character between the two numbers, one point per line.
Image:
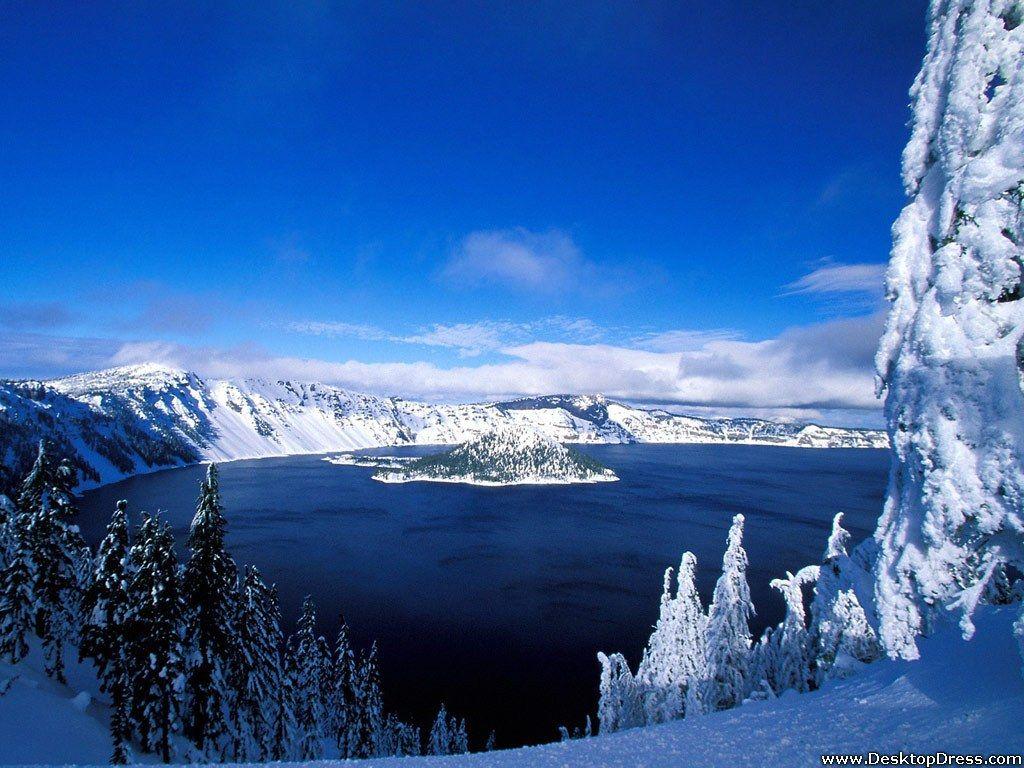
504	456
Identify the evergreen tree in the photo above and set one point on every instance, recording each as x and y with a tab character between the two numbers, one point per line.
16	579
728	629
674	664
839	629
399	739
58	554
791	667
105	637
763	666
950	357
155	651
105	605
285	737
210	590
258	672
491	743
344	719
307	662
370	712
440	734
620	706
7	514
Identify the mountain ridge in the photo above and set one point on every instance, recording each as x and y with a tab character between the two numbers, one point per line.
123	421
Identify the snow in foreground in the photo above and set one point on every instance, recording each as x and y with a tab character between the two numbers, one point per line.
960	697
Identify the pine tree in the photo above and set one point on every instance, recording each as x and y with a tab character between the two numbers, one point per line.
105	604
307	662
763	666
258	671
286	736
492	740
440	734
839	629
16	600
950	357
728	629
371	707
105	635
343	715
7	514
58	555
210	590
791	667
620	706
460	738
155	651
674	665
120	722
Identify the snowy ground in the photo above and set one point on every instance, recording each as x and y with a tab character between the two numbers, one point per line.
965	698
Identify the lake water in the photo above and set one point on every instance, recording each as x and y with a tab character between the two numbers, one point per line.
496	600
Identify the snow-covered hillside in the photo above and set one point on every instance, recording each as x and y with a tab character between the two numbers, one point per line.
504	456
134	419
960	697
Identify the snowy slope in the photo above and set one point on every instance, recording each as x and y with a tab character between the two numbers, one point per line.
960	697
133	419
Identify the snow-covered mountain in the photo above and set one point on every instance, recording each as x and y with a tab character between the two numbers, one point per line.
504	456
128	420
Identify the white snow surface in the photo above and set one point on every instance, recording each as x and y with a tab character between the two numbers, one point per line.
963	697
135	419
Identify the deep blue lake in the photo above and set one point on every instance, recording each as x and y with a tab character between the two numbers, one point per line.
496	600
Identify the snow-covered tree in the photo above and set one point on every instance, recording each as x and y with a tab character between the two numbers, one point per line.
284	743
59	557
210	590
155	652
7	514
368	707
257	675
950	361
399	739
840	630
307	665
621	704
447	735
106	639
105	606
440	734
791	662
728	654
16	601
344	719
673	668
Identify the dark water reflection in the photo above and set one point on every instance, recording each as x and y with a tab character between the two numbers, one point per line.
495	600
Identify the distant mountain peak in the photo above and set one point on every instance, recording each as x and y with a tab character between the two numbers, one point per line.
137	418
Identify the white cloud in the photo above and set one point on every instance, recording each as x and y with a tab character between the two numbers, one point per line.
802	371
841	278
682	340
335	328
518	258
468	339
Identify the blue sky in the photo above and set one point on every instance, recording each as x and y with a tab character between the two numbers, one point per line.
685	203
